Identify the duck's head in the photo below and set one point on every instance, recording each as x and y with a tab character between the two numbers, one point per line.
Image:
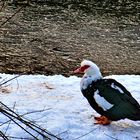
89	69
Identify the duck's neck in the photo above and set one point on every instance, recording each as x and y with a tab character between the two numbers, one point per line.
94	75
88	79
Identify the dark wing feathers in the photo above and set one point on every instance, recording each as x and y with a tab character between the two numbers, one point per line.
119	85
125	106
122	111
109	93
126	94
89	96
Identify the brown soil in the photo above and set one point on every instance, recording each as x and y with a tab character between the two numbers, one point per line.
54	40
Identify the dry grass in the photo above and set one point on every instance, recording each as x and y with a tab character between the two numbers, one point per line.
53	40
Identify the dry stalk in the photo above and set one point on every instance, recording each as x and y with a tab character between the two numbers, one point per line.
5	82
11	16
84	134
2	135
111	137
19	121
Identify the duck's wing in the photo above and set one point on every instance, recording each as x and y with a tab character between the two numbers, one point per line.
121	91
123	104
88	94
123	110
118	86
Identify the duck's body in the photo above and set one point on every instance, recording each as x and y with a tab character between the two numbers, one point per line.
107	97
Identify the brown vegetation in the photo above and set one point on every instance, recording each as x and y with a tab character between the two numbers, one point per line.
50	39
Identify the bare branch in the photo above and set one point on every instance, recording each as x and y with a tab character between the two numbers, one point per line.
9	120
84	134
34	127
9	80
36	111
111	137
3	136
19	138
11	16
9	116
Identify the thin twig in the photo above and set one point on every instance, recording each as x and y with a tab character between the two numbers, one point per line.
12	116
28	113
36	111
9	116
84	134
3	136
19	138
111	137
32	126
3	80
10	120
10	80
11	16
66	131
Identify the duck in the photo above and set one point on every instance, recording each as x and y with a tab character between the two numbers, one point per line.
106	96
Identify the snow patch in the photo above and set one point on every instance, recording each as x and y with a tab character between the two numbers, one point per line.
66	112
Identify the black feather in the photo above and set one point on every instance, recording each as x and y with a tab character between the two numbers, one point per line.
124	105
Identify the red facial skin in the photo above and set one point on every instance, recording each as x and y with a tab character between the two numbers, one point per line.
81	69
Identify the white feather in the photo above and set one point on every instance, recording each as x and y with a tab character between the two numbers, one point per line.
86	80
101	101
116	87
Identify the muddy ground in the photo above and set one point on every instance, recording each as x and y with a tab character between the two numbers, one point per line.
48	40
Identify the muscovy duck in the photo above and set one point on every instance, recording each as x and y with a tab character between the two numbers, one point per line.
107	97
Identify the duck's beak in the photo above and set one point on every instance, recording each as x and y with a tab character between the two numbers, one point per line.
81	69
78	70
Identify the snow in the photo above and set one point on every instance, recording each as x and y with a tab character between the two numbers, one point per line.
66	113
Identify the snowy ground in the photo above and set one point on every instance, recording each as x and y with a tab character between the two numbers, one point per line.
67	113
